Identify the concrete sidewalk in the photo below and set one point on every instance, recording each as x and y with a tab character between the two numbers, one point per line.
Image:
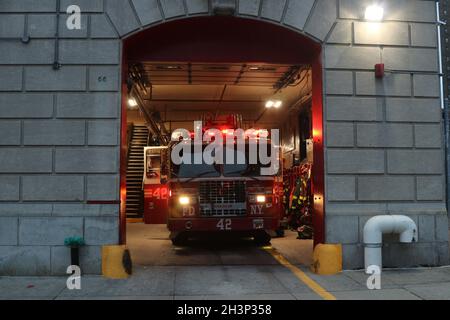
233	282
237	271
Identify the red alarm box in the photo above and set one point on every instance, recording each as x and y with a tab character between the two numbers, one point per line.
379	70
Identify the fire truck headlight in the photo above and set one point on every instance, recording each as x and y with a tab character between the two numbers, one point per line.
261	199
184	200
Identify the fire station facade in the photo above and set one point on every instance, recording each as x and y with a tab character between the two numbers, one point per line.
381	139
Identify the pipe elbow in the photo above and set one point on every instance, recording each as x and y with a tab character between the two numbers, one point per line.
407	229
390	224
373	231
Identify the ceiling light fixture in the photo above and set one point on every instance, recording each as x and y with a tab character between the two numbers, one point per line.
269	104
274	104
169	67
278	104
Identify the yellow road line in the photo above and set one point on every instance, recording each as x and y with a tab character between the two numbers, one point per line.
314	286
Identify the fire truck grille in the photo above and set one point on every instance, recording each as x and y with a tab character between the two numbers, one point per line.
222	198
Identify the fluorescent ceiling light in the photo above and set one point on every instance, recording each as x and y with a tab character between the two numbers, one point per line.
270	104
278	104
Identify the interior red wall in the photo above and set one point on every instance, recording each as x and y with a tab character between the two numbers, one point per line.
123	152
221	39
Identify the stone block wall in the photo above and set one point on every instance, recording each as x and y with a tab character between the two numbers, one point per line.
59	145
385	142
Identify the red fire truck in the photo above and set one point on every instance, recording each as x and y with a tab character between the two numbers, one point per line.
224	198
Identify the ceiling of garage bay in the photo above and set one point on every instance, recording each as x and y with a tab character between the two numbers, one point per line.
184	91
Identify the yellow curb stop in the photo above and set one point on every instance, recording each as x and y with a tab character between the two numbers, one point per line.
327	259
116	262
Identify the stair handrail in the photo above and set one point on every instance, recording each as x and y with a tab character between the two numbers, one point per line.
148	117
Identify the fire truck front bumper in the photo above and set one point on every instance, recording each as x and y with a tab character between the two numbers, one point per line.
223	224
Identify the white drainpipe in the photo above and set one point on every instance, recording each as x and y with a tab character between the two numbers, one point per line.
441	68
386	224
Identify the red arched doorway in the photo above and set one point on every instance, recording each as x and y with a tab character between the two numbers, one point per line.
230	39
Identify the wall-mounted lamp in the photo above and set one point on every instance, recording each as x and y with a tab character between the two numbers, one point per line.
132	103
374	13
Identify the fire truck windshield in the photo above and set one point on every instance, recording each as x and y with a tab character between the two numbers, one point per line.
236	169
186	170
244	170
195	171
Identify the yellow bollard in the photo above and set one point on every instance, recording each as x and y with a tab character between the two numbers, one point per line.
327	259
113	262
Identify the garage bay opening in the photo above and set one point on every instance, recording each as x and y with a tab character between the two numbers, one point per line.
175	211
